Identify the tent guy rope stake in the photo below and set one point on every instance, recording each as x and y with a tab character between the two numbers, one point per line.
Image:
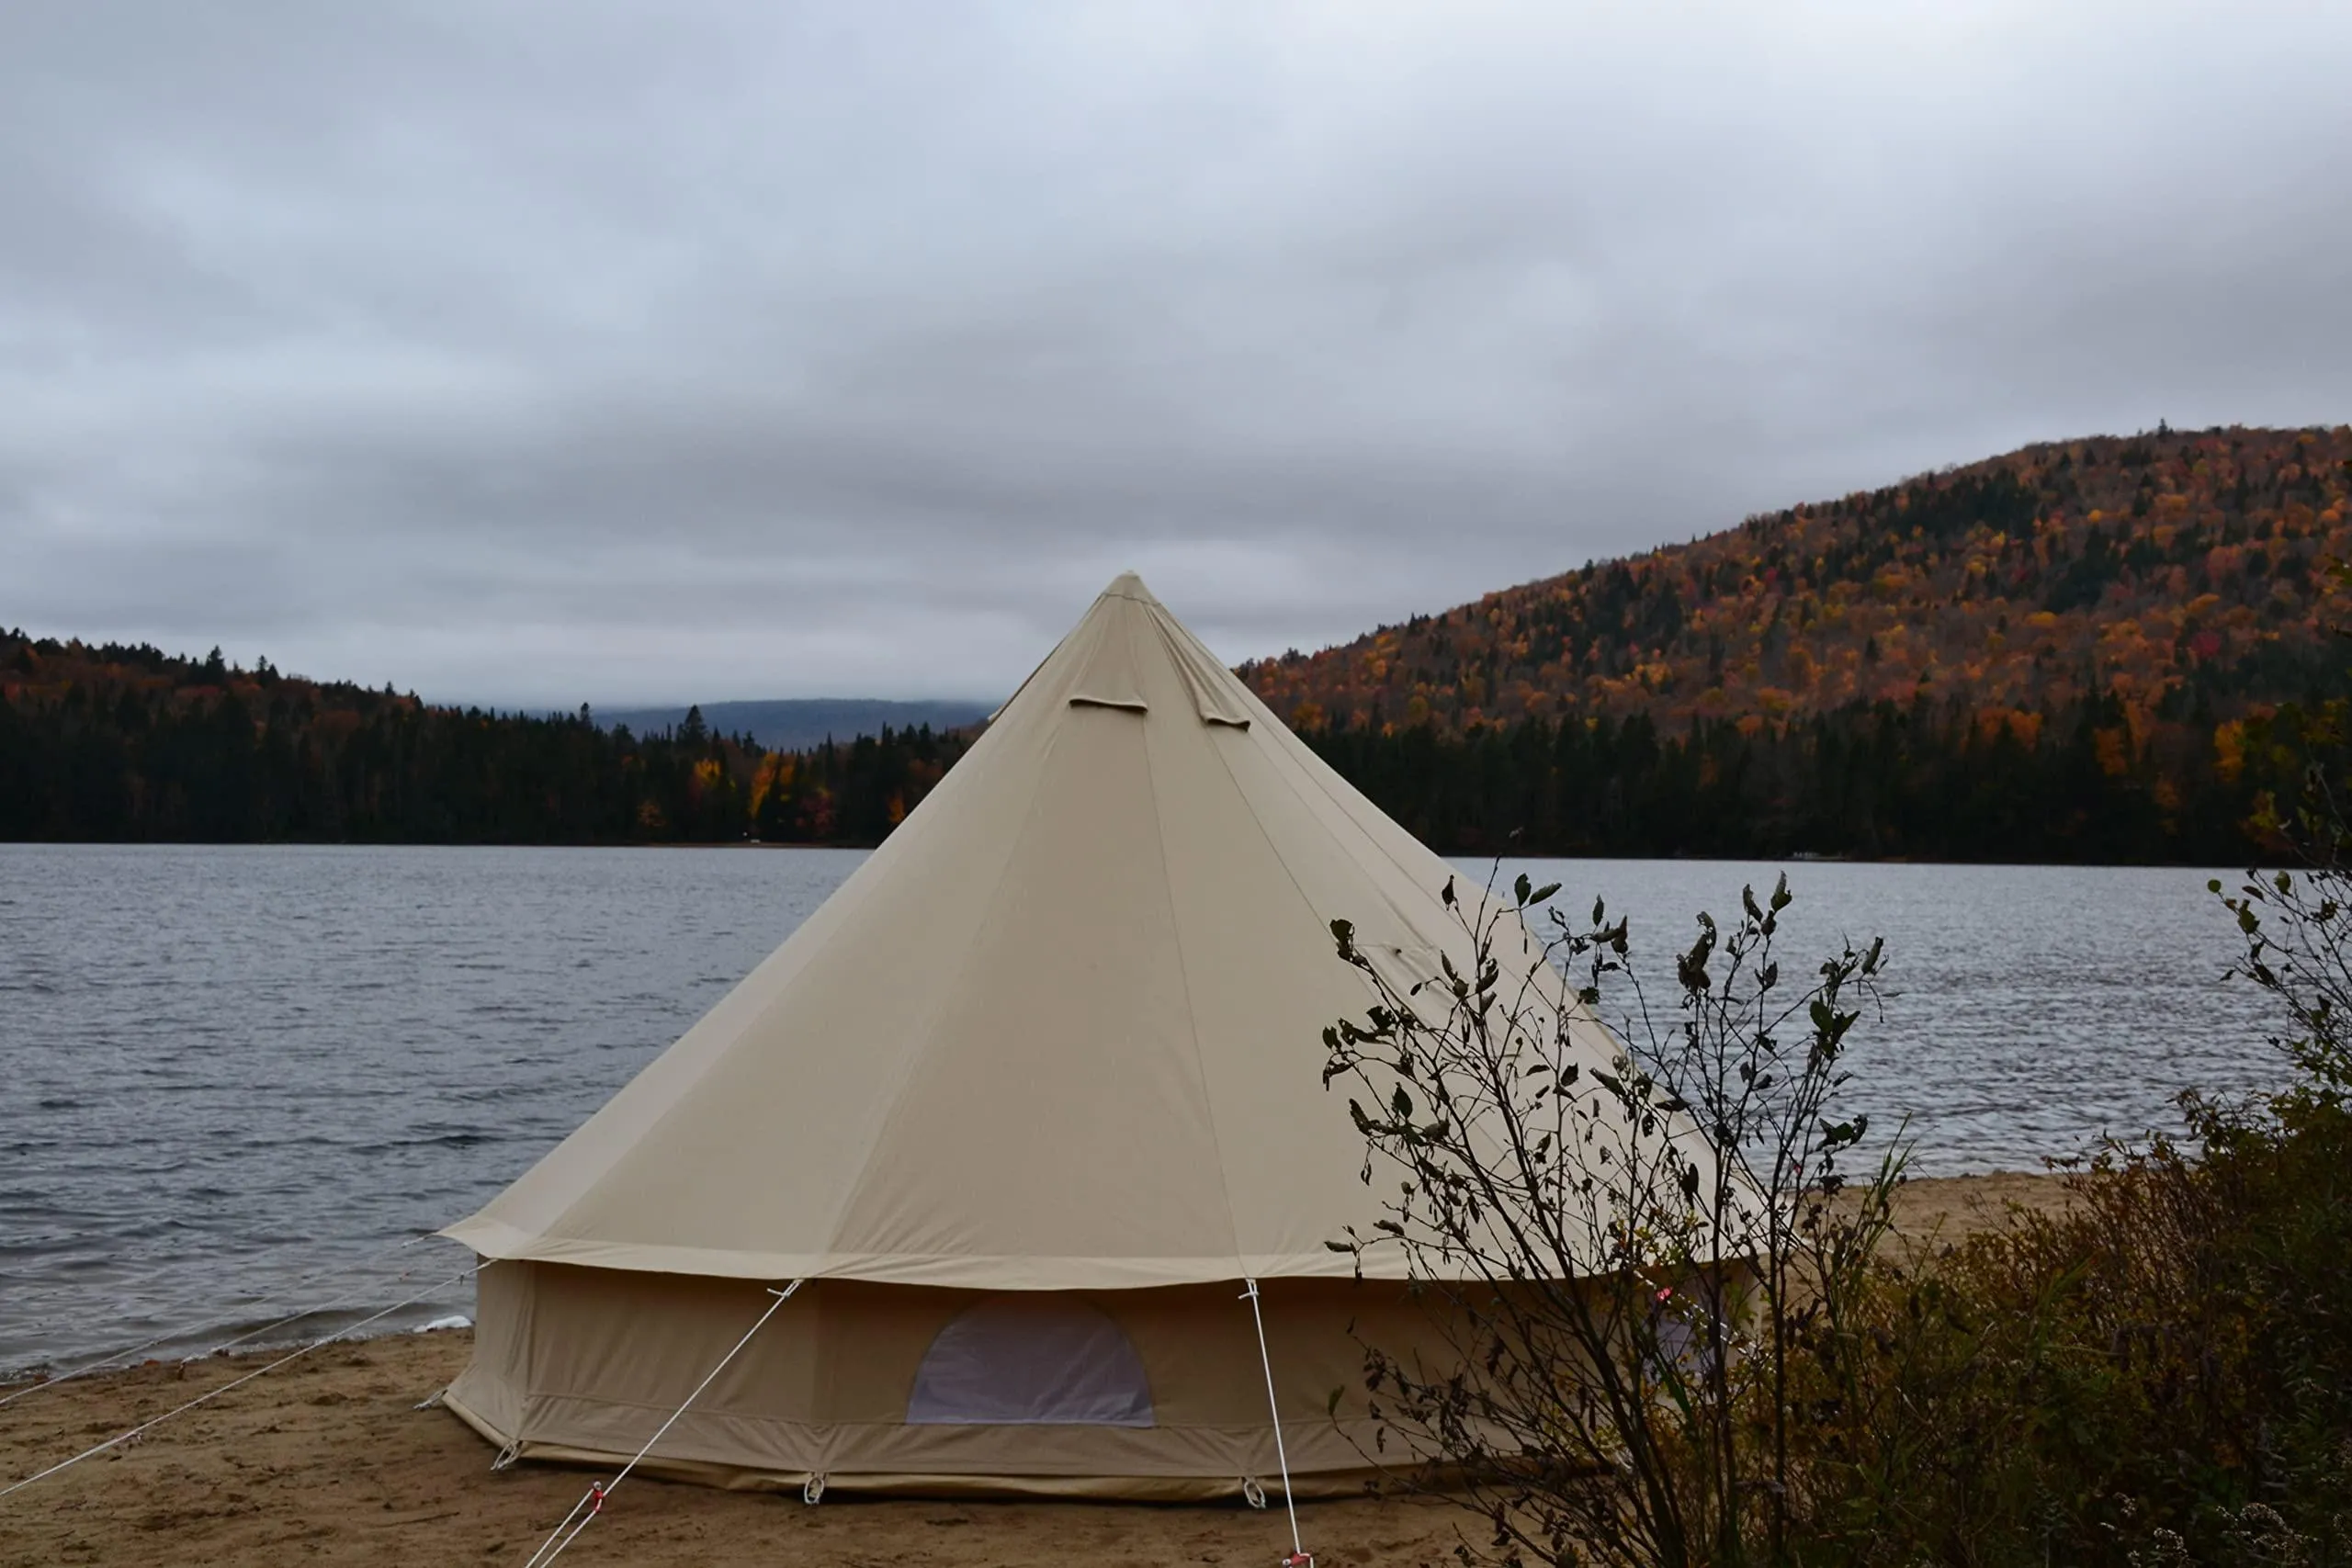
1299	1556
592	1502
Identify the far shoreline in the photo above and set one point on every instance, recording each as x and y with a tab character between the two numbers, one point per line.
1510	857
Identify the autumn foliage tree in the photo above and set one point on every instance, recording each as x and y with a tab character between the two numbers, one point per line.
2077	634
2108	649
127	743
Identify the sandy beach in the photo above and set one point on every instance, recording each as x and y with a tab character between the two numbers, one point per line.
327	1460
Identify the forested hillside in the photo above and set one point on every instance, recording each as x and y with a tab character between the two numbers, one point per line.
2163	570
2108	649
111	742
2089	649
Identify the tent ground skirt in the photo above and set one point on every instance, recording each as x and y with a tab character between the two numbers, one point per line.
1149	1395
1097	1488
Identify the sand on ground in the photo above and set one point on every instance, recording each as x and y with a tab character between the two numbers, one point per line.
327	1460
1945	1208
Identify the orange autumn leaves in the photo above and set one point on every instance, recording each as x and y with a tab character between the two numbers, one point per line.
2184	576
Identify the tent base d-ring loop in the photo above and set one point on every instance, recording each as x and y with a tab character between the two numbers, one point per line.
1251	1492
812	1491
508	1455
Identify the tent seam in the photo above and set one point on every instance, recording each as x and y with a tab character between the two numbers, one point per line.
1273	848
906	1075
1192	1011
1300	779
686	1091
1297	776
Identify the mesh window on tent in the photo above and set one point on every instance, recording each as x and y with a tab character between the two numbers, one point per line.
1024	1359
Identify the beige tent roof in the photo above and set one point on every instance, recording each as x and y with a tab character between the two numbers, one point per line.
1062	1031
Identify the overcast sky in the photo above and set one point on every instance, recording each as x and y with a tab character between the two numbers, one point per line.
541	353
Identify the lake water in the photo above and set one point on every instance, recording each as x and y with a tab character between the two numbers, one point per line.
225	1069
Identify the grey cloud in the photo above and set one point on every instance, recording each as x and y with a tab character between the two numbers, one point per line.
542	353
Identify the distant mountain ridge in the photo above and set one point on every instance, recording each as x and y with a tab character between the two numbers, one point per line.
797	724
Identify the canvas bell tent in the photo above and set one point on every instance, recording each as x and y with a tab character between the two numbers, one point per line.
1023	1104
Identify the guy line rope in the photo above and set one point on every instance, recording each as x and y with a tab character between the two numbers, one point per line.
147	1426
1299	1556
593	1500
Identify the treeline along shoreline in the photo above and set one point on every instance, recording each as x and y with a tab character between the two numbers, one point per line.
129	745
2105	651
120	744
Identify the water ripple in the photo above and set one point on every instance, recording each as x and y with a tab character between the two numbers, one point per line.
225	1069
